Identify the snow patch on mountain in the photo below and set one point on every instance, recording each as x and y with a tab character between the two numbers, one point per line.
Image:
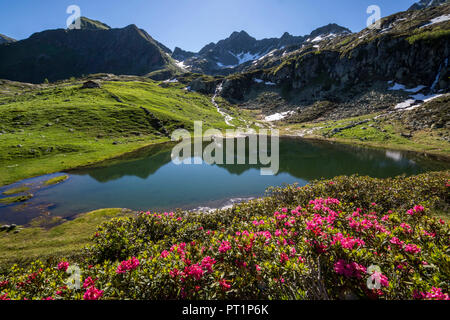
322	37
244	57
437	20
278	116
398	87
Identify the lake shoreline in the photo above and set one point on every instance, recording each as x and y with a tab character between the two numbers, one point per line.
439	156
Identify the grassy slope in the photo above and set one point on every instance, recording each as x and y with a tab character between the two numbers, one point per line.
49	129
65	239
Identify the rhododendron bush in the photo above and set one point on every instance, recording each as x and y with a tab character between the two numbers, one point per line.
329	240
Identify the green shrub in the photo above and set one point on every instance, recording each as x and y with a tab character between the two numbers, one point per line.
346	238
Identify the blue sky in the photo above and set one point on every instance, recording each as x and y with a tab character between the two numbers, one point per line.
191	24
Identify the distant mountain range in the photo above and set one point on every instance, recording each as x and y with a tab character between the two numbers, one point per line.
98	48
225	56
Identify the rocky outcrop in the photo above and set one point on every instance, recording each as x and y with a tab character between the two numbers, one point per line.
89	24
90	85
401	52
4	39
422	4
181	55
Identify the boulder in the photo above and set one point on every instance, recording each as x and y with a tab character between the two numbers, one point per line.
90	85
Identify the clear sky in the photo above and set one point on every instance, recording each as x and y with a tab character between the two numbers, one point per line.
191	24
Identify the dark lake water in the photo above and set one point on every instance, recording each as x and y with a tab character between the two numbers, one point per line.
148	180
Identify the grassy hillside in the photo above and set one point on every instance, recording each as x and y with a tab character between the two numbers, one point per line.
50	128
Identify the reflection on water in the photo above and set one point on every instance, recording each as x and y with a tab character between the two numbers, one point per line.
149	179
394	155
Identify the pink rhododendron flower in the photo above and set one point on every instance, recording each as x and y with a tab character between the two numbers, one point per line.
429	234
349	270
195	271
406	227
416	209
284	258
397	241
347	243
225	246
224	284
63	266
89	282
434	294
207	263
128	265
93	293
165	254
412	248
4	297
174	273
380	278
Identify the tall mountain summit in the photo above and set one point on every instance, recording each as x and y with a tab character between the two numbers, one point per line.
89	24
62	53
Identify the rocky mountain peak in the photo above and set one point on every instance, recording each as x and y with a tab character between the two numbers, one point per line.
181	55
240	49
331	28
96	48
90	24
5	39
286	35
242	35
422	4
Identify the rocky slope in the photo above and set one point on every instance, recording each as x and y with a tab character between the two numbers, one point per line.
60	54
89	24
4	39
240	50
405	60
422	4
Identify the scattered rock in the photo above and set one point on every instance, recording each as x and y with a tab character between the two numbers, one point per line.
91	85
406	135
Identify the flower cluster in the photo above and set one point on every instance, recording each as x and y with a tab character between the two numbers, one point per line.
128	265
351	233
63	266
349	270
